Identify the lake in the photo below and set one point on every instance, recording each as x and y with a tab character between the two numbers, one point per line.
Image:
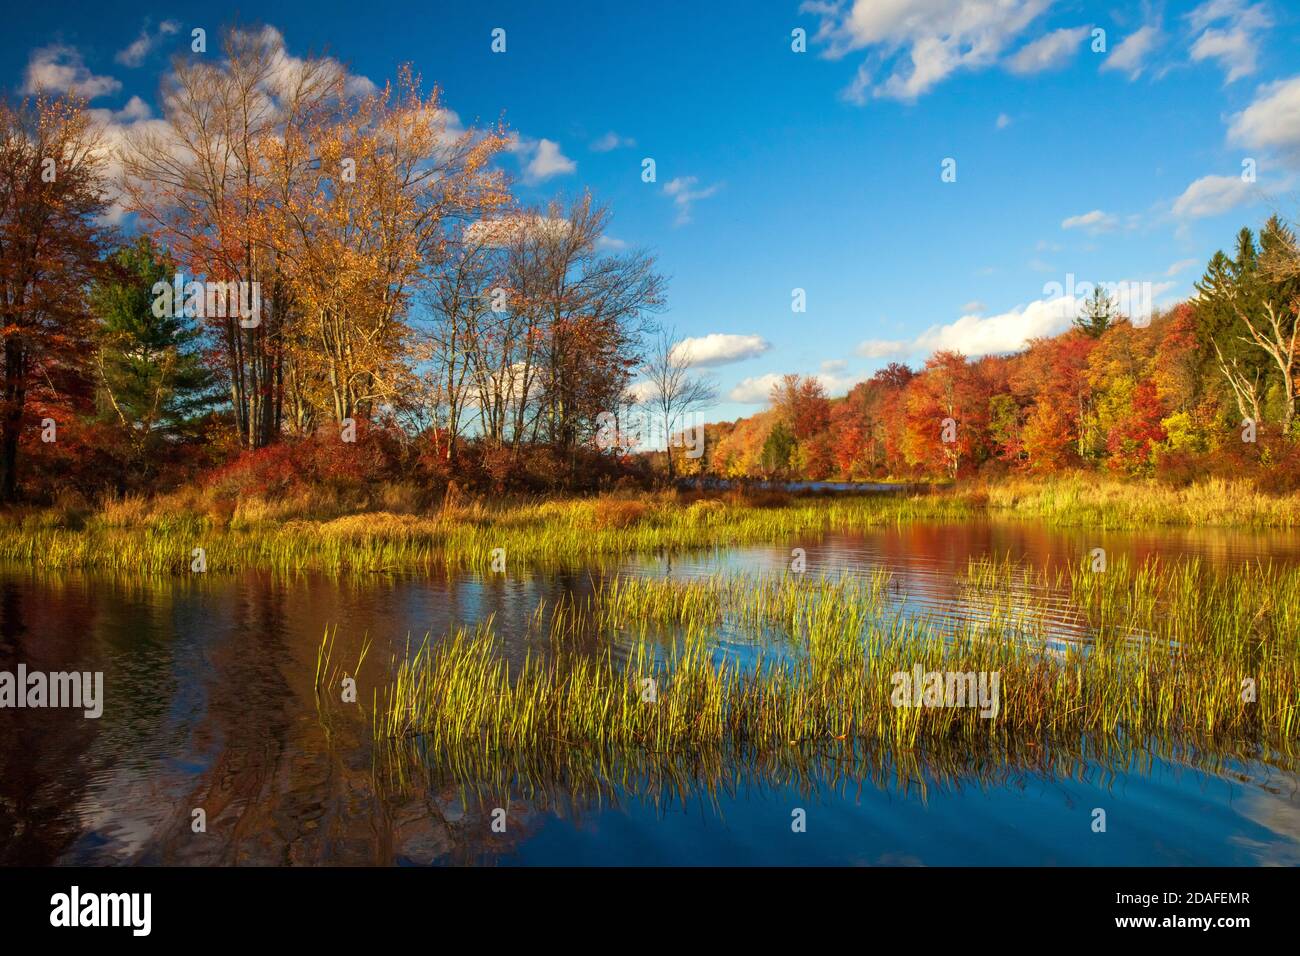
210	706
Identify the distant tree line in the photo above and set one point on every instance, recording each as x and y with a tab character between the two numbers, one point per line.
1208	387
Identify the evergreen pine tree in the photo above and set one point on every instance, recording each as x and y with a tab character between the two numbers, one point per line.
151	376
1098	314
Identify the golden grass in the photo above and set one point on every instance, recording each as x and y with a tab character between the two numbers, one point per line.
1098	502
305	533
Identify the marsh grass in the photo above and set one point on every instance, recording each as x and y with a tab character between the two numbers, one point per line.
532	534
1096	502
1172	647
565	778
159	536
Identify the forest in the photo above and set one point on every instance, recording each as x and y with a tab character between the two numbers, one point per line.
284	266
1205	388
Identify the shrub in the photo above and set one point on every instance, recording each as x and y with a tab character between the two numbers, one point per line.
619	512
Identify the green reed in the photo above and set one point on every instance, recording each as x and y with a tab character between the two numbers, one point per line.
1175	649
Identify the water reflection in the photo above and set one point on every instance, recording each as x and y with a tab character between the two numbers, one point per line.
210	704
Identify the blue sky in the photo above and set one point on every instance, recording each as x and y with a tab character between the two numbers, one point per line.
820	170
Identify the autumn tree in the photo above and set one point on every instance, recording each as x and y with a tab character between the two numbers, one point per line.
52	195
235	152
588	312
373	222
673	389
947	415
456	335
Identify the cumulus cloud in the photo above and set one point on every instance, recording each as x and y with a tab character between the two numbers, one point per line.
548	161
1212	196
1006	332
1130	54
541	159
1229	34
911	47
755	390
1049	52
685	194
1272	121
611	141
134	54
61	69
720	348
286	71
835	382
116	130
1092	222
758	389
974	336
884	348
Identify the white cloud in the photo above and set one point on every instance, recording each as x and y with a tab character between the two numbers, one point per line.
1093	222
917	44
973	307
611	141
1212	196
360	86
720	348
548	161
1234	41
754	391
974	336
610	244
685	194
1272	121
1003	121
836	384
1050	51
1180	266
883	348
1130	54
116	128
541	159
641	392
134	54
135	110
60	69
758	389
285	71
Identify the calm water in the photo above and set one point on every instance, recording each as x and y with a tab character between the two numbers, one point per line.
210	705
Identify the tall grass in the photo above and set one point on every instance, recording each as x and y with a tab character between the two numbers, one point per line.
133	534
541	534
1174	652
1096	502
